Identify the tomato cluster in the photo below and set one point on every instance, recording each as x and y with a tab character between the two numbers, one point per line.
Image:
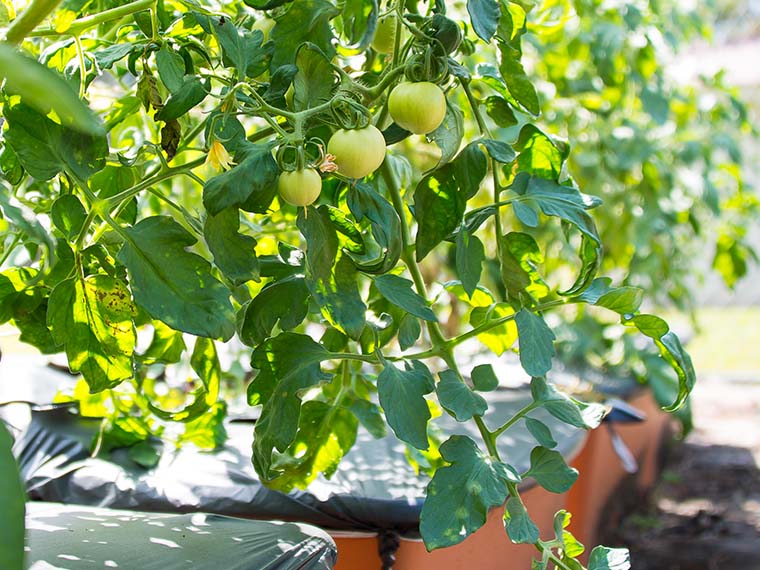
418	107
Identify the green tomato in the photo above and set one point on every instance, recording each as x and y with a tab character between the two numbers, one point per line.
265	25
417	107
300	187
358	152
384	39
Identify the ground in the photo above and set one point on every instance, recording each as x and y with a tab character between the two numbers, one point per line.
705	512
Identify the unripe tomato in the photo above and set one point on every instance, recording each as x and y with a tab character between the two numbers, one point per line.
385	35
417	107
300	187
357	152
265	25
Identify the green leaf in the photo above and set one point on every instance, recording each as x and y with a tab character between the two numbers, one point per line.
499	150
359	23
43	90
449	134
540	432
208	431
188	95
285	300
233	252
287	365
564	408
623	300
500	338
409	331
339	298
470	255
321	239
12	497
144	454
92	318
303	21
369	416
399	292
68	215
315	82
107	57
457	398
650	325
438	207
603	558
460	495
171	68
518	83
484	15
519	258
166	346
365	203
205	362
550	471
325	434
500	111
172	284
672	351
536	343
539	155
45	148
483	378
250	185
244	50
402	397
518	524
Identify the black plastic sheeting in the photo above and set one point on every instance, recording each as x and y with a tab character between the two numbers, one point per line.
374	488
77	537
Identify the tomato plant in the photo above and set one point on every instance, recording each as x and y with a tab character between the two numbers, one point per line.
140	174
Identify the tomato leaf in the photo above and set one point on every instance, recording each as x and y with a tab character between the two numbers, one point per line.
45	148
402	397
42	89
303	21
457	398
92	319
484	15
365	203
68	215
520	255
448	136
244	50
250	185
460	495
359	23
285	300
565	408
540	155
233	252
540	432
438	208
188	95
167	345
536	343
518	524
483	378
603	558
399	292
12	498
315	81
470	255
550	471
287	364
172	284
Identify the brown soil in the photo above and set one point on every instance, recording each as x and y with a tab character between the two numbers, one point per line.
705	512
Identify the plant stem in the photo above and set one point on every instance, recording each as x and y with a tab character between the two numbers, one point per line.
516	418
82	24
22	26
